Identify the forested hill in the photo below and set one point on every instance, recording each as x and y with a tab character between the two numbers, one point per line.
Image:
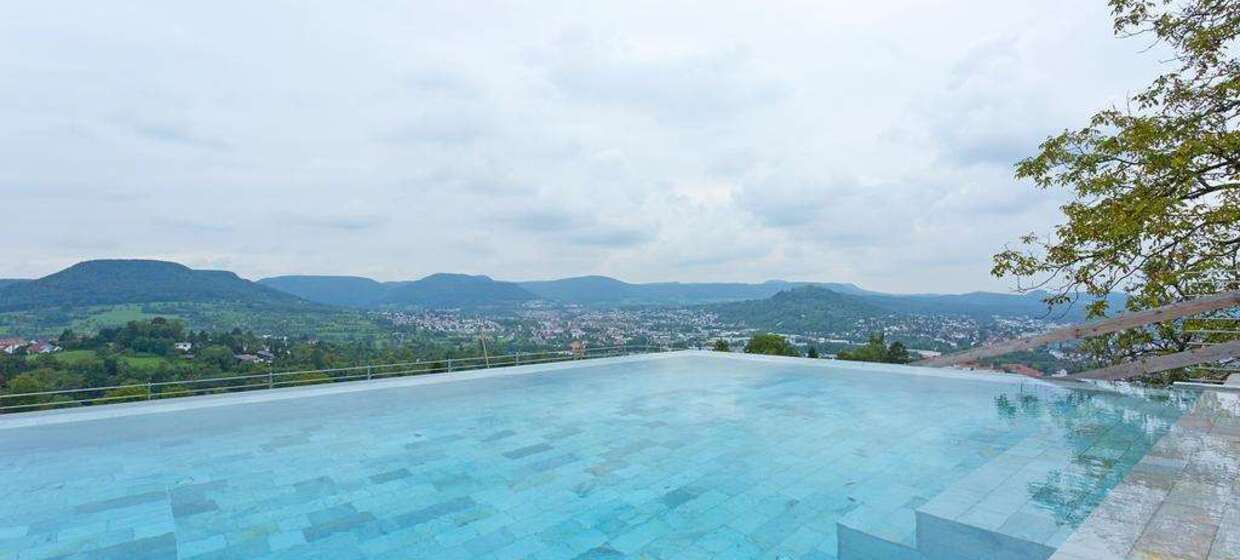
345	291
602	290
111	282
805	309
458	290
435	291
455	290
986	304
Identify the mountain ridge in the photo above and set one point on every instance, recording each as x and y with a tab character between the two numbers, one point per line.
807	308
456	290
125	281
597	290
102	282
436	290
604	290
343	291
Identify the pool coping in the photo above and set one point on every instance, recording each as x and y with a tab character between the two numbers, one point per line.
1180	501
1232	383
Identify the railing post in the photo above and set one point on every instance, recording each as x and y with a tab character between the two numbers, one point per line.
368	373
148	390
449	365
271	378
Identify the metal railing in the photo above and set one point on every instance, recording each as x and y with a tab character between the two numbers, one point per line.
43	400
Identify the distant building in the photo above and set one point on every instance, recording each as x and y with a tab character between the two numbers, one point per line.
41	347
249	359
11	345
183	346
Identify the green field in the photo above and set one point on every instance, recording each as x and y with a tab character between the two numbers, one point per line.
69	357
113	316
144	362
140	361
323	323
51	322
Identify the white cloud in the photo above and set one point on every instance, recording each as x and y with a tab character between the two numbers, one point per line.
867	142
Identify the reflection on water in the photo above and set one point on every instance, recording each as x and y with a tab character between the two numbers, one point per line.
1101	434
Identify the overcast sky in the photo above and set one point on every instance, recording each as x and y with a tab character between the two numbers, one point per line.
867	142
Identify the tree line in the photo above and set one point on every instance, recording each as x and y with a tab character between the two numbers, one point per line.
875	350
142	357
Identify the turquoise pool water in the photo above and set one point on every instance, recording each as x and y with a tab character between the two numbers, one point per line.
675	456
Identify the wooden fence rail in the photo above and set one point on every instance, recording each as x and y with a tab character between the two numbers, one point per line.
1155	364
1112	325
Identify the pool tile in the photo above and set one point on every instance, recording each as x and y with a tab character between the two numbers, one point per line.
665	462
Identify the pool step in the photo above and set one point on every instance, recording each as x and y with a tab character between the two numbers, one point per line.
886	536
986	515
946	539
989	513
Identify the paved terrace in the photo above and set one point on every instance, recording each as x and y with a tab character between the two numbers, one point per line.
1181	501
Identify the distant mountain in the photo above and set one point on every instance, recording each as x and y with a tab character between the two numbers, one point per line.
112	282
986	304
343	291
436	290
455	290
7	281
805	309
602	290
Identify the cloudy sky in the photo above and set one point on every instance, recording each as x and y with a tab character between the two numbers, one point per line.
869	142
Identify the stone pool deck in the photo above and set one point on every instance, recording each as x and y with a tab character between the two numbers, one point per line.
1181	501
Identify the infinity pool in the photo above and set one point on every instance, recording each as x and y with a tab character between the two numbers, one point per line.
669	456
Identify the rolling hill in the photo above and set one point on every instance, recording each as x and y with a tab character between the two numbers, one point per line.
113	282
455	290
800	309
436	290
344	291
985	304
602	290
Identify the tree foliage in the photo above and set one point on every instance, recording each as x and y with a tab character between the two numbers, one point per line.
120	356
1155	183
877	350
770	344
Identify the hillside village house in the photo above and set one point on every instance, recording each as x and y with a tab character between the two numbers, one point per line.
11	345
42	347
251	359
